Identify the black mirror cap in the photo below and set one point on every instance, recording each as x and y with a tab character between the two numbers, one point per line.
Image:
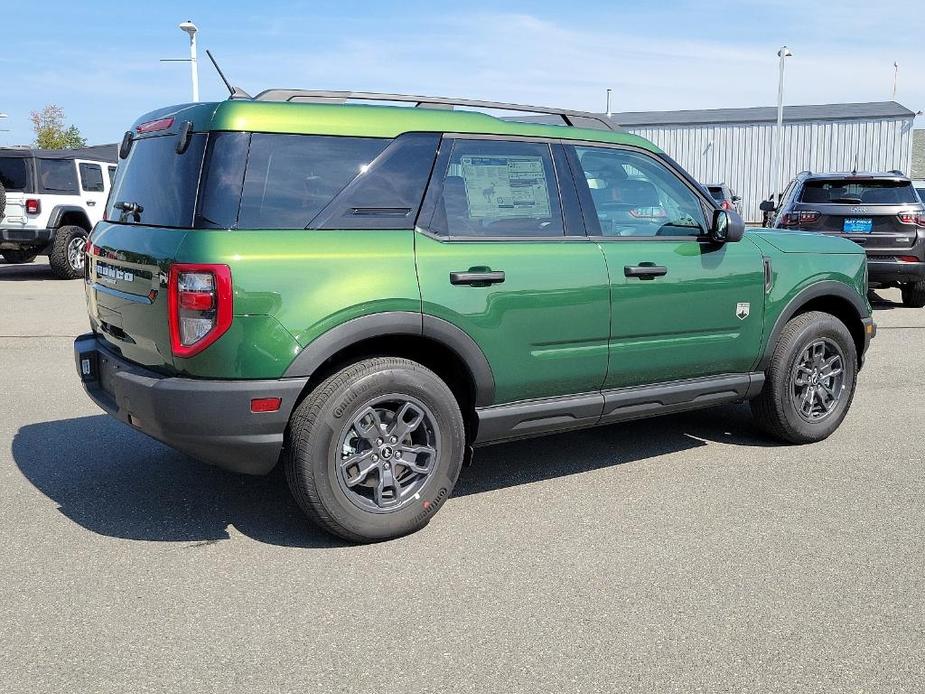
728	226
126	145
767	206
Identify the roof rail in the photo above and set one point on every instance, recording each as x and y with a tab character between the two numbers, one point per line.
569	117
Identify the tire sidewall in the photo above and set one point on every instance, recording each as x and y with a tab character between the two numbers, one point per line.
834	330
335	414
58	258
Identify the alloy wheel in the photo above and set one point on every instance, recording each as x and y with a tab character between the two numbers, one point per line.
818	379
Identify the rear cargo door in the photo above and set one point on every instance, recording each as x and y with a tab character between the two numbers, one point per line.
149	213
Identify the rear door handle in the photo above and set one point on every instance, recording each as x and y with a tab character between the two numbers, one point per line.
477	278
91	203
645	271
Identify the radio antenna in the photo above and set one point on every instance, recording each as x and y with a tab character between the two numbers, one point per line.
233	92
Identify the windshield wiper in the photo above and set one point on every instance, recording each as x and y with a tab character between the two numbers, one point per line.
129	208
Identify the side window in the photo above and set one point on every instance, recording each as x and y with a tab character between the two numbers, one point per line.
291	178
492	188
112	174
57	176
91	178
635	195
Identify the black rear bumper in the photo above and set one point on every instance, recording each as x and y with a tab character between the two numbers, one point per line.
25	237
206	419
890	270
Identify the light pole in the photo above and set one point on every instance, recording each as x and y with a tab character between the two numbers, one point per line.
783	54
189	28
895	78
608	102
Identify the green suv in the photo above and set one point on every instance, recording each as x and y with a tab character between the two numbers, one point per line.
366	292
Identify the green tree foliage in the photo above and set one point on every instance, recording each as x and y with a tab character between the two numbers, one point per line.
50	131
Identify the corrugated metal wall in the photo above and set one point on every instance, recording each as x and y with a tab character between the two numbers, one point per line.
742	155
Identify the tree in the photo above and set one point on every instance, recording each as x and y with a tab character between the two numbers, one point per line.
50	131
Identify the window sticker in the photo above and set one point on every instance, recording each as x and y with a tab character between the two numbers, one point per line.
500	187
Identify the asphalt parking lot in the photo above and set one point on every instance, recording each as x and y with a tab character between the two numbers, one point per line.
686	553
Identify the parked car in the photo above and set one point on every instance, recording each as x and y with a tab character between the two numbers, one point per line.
724	196
367	292
49	202
879	211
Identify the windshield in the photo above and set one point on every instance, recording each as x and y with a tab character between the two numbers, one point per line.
156	186
855	192
14	174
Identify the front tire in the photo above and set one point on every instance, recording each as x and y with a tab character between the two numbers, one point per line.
914	294
67	253
18	257
810	382
374	451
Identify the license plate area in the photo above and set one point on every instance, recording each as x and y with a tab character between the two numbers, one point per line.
858	225
89	364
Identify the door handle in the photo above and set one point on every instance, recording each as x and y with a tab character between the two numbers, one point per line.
477	278
91	203
645	271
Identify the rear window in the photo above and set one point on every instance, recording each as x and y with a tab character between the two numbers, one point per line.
921	192
855	192
57	176
14	174
716	192
156	186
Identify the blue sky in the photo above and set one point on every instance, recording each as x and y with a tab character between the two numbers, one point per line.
99	60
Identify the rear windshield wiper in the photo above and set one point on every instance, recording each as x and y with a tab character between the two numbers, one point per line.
129	208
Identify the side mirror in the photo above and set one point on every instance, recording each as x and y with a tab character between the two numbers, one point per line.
728	226
767	206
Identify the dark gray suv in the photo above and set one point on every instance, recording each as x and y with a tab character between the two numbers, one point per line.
879	211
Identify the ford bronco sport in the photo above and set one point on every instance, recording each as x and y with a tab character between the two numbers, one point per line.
365	292
879	211
49	202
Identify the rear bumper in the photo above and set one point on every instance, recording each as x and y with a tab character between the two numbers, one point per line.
206	419
887	269
24	236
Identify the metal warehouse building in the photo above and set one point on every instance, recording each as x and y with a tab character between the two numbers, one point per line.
736	145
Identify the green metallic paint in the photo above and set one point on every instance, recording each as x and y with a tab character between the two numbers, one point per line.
684	324
807	242
544	329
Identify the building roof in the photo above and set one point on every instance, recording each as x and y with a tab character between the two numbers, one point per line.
858	111
107	153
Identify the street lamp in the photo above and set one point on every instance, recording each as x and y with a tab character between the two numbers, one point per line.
189	28
783	54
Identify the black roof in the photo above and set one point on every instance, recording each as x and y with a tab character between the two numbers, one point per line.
107	153
854	111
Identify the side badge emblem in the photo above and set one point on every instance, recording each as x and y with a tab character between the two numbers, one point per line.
742	310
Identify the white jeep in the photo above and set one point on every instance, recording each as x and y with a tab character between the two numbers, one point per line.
49	202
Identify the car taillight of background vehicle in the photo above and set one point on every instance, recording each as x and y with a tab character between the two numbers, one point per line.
199	305
33	206
726	205
792	219
912	218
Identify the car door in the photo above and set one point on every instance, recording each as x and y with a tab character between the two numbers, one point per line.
502	254
92	189
683	306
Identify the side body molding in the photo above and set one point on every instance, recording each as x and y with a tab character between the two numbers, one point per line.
826	288
398	323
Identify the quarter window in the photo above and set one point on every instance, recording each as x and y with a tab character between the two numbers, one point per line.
634	195
492	188
91	178
57	176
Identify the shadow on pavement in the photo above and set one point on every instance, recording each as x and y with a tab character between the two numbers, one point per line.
21	272
117	482
878	303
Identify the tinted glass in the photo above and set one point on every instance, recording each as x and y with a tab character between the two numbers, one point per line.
222	178
855	192
499	189
717	193
160	181
635	195
91	178
387	195
112	173
291	178
14	174
57	176
921	192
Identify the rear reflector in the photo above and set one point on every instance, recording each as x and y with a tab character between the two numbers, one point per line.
909	259
154	125
266	404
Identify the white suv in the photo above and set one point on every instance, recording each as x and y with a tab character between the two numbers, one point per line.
49	202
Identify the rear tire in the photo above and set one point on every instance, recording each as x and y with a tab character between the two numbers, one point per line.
914	294
810	382
374	451
67	253
18	257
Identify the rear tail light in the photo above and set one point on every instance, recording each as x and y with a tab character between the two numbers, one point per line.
200	306
792	219
33	206
912	218
726	205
